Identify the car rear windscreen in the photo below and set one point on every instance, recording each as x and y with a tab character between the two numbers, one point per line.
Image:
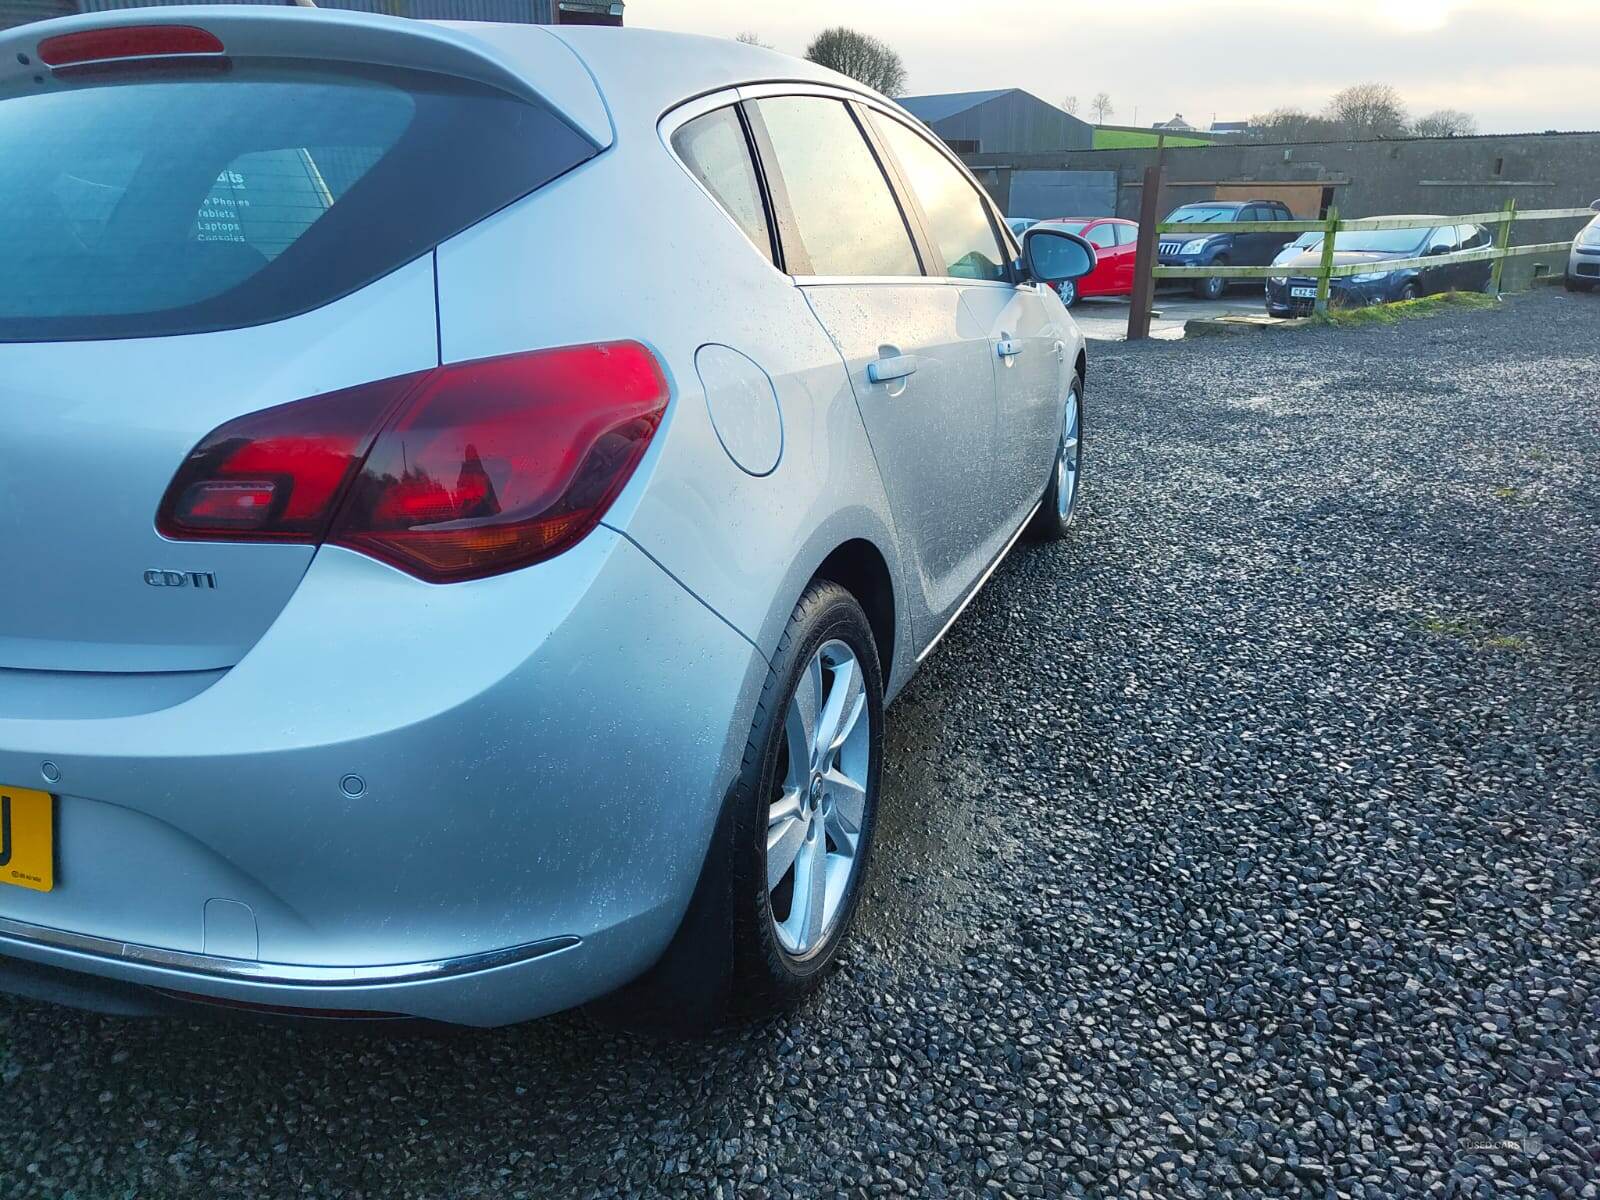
148	203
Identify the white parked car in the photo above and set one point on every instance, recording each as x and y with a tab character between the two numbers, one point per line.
1583	264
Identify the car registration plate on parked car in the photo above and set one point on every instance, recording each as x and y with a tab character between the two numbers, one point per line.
1303	293
27	838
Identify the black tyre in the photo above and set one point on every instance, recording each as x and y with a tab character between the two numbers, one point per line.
1213	287
1578	285
1410	291
1068	291
781	883
1060	505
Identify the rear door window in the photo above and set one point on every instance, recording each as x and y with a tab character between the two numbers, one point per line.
142	203
715	149
1127	235
1103	236
958	220
837	214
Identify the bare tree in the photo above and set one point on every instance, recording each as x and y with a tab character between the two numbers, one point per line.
753	39
1293	125
861	56
1069	104
1369	110
1101	107
1446	122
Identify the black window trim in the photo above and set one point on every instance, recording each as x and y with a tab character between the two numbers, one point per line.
771	172
769	212
909	200
792	258
910	204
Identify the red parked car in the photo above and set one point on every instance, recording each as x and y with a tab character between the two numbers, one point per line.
1115	244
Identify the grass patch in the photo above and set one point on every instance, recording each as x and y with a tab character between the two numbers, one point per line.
1506	641
1406	310
1464	629
1127	139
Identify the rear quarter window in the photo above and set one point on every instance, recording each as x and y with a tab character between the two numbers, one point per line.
148	203
715	150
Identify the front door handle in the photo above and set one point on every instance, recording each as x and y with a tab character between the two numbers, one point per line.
1009	347
883	370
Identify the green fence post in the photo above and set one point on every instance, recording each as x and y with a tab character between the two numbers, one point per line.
1324	279
1502	243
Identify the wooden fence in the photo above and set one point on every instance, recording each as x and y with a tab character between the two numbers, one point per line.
1327	270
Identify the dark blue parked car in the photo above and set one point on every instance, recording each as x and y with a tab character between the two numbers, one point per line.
1223	249
1295	292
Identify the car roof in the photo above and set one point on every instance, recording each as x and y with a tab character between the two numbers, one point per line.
650	70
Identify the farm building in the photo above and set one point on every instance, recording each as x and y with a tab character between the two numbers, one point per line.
1003	121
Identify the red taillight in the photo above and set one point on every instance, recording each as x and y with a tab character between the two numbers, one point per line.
276	475
483	467
126	41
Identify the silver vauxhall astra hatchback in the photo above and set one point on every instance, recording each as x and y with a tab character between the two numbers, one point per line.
467	494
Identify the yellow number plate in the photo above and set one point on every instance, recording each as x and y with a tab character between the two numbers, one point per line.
27	838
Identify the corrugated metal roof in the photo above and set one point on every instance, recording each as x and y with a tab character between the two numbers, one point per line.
936	108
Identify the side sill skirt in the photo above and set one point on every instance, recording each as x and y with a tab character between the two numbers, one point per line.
982	579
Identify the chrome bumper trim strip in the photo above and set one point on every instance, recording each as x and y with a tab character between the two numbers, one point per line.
250	971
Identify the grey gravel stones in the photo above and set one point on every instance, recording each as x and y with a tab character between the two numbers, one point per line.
1246	843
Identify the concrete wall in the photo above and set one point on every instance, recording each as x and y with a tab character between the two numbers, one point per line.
1017	123
1042	194
1420	175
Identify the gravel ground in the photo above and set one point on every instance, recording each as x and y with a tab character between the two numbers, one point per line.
1245	843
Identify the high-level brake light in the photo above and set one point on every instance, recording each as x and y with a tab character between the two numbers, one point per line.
126	41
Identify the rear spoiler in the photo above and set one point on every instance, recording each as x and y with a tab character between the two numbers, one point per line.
524	60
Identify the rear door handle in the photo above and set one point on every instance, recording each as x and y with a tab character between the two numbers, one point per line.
1009	347
882	370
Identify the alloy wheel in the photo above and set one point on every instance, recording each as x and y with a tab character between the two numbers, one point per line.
1069	457
815	818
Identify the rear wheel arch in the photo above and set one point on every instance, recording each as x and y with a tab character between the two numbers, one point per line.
860	568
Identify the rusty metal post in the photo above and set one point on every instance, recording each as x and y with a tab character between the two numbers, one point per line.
1144	262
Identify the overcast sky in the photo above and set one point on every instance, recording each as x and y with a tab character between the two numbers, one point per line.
1517	65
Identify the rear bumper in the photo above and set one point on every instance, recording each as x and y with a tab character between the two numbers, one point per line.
476	803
